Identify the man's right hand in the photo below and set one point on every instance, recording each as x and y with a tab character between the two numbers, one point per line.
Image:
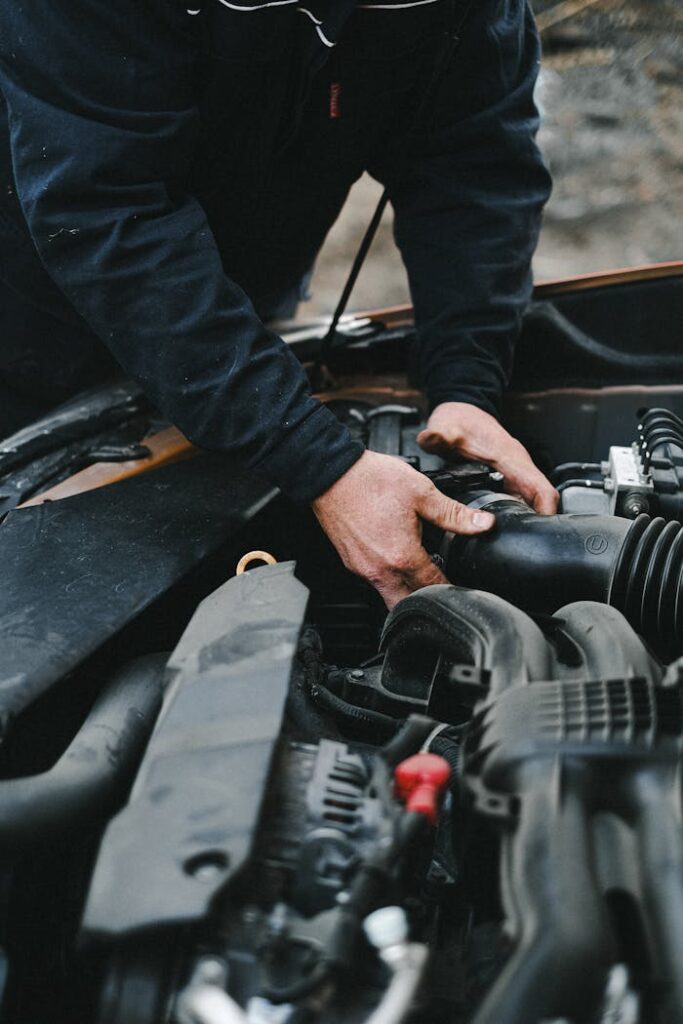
373	515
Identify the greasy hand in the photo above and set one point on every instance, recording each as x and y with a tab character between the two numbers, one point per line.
373	514
462	428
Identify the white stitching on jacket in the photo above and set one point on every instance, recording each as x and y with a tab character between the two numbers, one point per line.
396	7
317	23
257	7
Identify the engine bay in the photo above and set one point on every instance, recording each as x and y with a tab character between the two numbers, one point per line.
494	785
235	791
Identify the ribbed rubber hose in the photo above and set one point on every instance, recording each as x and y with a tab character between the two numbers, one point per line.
541	563
93	774
648	581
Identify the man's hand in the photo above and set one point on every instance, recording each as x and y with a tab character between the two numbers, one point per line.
462	428
373	514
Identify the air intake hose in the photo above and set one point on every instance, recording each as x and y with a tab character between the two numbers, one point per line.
93	775
541	563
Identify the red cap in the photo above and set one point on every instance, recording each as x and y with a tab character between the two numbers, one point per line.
420	781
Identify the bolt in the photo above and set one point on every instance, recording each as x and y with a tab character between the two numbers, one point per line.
635	504
206	866
206	873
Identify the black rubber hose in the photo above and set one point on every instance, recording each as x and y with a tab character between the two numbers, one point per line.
370	887
351	714
662	435
412	734
93	774
653	443
647	585
573	469
448	744
595	485
415	732
541	563
303	720
650	417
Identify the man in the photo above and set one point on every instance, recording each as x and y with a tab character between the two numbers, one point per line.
169	174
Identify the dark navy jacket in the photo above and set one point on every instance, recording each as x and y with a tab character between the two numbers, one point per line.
168	170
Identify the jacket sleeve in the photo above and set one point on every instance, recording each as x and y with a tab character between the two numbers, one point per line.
468	186
100	98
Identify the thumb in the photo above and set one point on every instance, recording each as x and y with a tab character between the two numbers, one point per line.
452	515
432	441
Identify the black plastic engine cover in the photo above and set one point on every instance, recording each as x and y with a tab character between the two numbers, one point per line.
190	822
77	571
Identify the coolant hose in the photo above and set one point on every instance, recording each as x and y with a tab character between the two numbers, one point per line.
541	563
93	774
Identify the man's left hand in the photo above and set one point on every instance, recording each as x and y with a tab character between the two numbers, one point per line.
456	427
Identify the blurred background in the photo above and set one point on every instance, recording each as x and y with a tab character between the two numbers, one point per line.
611	94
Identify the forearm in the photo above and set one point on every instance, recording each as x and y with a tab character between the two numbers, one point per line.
99	162
468	189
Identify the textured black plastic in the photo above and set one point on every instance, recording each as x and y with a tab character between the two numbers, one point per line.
576	750
77	571
190	823
648	581
542	562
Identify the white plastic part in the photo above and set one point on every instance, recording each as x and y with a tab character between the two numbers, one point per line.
208	1004
622	1004
407	962
387	926
617	984
260	1011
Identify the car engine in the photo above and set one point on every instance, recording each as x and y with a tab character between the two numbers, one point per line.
467	812
252	797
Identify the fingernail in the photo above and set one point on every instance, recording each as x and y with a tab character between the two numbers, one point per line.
482	520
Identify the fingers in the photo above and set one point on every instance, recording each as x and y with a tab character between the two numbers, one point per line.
423	573
546	501
473	433
372	515
453	516
434	442
419	571
536	490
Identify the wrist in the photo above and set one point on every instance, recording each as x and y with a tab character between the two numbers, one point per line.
338	487
312	456
488	403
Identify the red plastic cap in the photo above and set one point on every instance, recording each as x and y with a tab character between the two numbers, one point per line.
420	781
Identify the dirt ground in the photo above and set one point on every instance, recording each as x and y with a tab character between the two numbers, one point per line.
611	93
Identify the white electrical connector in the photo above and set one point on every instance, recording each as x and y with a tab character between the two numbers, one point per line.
209	1004
387	930
260	1011
385	927
622	1005
205	1000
